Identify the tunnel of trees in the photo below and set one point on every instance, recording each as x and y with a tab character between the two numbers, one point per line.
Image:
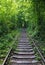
16	14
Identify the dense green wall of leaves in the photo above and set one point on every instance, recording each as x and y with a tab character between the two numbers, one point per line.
42	19
40	8
8	16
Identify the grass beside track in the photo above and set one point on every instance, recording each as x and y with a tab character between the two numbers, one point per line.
6	43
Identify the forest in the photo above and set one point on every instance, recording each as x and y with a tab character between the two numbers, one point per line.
17	14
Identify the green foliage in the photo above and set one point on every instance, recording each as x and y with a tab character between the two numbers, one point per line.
6	43
17	14
8	11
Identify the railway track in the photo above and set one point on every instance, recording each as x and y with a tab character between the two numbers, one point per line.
23	54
